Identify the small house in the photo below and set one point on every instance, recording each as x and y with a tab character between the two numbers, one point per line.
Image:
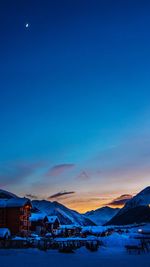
53	223
39	222
70	230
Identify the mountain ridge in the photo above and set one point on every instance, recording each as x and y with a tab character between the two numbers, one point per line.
136	210
101	215
65	215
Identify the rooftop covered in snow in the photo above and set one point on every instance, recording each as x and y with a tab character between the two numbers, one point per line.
52	219
37	217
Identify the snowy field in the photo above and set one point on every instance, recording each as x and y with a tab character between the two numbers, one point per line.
102	258
111	254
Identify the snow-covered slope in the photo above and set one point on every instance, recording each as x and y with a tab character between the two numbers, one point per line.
65	215
101	215
136	210
141	199
6	194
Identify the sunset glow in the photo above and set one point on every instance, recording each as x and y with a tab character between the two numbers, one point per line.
74	101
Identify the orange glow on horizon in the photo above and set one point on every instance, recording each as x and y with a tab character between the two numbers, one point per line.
89	207
85	204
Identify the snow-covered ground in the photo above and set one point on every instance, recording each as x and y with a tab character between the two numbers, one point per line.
104	257
111	254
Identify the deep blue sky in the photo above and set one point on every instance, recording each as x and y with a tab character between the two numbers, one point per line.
74	86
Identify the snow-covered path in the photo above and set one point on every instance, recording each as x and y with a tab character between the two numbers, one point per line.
81	258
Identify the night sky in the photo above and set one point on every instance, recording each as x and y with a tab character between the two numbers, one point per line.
75	99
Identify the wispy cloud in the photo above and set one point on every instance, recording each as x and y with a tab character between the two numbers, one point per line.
59	169
60	194
120	201
12	173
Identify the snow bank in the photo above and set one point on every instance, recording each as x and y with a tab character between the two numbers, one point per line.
94	229
116	240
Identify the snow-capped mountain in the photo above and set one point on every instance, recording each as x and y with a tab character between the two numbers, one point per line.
65	215
136	210
141	199
102	215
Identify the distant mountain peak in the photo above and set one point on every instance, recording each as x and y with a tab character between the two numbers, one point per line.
145	191
101	215
65	215
141	199
135	210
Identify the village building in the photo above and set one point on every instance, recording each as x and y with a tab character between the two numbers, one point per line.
70	230
53	223
39	223
14	215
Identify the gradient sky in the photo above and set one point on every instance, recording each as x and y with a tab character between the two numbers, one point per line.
75	99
